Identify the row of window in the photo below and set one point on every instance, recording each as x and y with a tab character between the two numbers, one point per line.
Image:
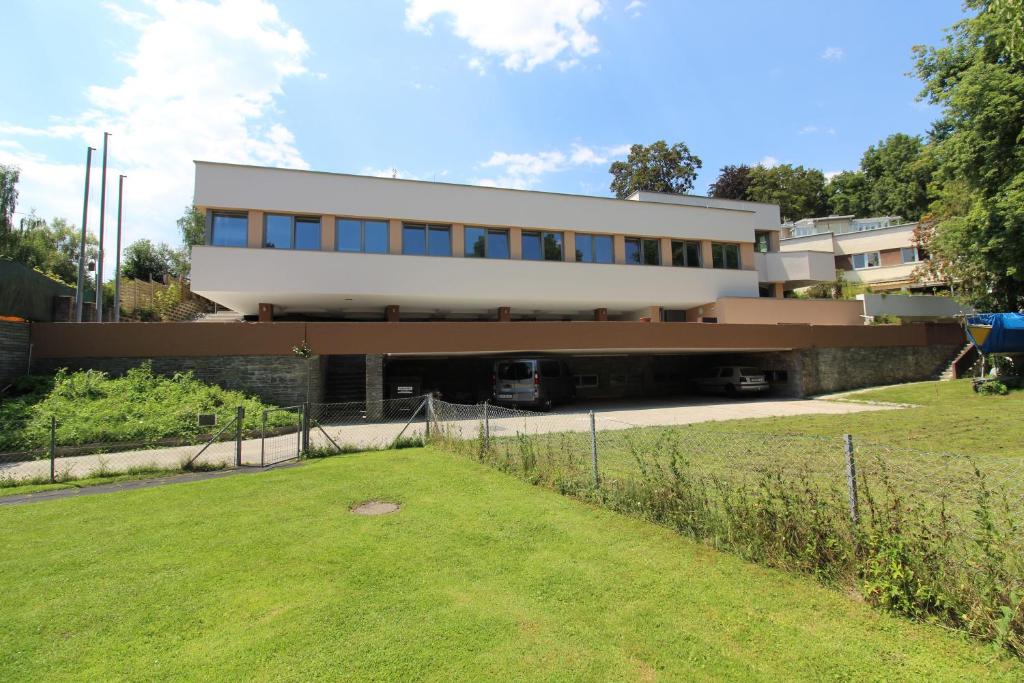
873	259
423	239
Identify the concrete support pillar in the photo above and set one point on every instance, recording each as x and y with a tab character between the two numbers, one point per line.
601	314
504	314
777	290
747	256
619	248
327	233
266	313
515	243
458	239
666	251
773	240
374	386
706	260
395	236
569	246
654	313
255	234
391	313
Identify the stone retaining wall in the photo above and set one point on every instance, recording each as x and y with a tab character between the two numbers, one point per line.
15	340
280	380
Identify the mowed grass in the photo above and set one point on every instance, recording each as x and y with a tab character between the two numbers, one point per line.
949	418
480	576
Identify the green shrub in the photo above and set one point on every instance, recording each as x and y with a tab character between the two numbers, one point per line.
993	388
139	408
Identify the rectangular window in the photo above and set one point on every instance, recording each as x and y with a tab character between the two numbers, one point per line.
909	255
542	246
762	242
352	234
686	254
229	230
594	248
643	252
869	259
291	232
486	243
725	256
419	239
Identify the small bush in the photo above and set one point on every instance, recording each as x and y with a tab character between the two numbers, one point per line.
993	388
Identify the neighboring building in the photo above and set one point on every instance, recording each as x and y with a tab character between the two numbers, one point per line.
878	252
345	247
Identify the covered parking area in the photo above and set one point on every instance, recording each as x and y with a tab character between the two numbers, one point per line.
598	377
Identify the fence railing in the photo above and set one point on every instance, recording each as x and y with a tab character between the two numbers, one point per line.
930	535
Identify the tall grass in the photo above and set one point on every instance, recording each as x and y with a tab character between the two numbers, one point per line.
953	556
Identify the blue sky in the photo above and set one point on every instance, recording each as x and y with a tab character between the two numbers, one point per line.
539	94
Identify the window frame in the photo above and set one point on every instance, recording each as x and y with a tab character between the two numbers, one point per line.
541	235
864	255
916	252
685	244
294	220
487	232
427	228
593	247
642	243
722	247
362	235
228	214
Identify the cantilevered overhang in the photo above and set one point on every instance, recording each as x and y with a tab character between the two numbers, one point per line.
335	283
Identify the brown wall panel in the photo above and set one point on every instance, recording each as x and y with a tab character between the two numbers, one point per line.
71	340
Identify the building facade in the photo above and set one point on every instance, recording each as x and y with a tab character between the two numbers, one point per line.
878	252
343	247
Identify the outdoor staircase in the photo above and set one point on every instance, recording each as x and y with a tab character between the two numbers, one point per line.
963	365
222	316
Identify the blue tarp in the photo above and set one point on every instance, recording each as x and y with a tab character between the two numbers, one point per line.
1007	335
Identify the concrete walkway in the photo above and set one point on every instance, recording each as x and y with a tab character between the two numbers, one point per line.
461	420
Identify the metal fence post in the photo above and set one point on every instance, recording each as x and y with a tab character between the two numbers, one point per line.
487	427
593	450
305	428
430	413
851	477
239	418
263	441
53	449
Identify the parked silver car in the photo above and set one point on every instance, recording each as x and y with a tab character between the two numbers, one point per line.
733	380
534	382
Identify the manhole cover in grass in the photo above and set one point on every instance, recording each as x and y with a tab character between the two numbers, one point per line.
376	507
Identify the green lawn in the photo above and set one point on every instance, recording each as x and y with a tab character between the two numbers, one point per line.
950	418
480	576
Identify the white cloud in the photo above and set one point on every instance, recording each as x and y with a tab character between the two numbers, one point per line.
202	84
477	65
811	130
635	7
524	170
829	175
833	54
768	162
523	34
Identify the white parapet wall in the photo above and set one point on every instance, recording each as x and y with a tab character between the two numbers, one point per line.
913	307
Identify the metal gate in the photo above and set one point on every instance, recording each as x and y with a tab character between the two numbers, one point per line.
281	438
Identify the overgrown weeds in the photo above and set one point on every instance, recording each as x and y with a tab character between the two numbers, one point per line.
945	549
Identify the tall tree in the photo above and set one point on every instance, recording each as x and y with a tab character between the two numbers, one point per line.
144	260
849	194
732	182
8	198
898	170
193	231
655	168
799	191
977	77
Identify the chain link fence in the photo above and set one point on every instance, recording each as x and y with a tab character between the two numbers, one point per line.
929	535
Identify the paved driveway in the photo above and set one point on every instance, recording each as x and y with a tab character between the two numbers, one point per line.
461	420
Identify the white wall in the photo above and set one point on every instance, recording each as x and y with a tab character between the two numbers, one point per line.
820	242
767	215
228	186
922	307
320	281
795	266
874	240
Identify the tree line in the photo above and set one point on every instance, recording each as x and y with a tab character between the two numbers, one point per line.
963	180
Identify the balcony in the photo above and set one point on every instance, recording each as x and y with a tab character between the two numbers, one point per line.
336	284
795	268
